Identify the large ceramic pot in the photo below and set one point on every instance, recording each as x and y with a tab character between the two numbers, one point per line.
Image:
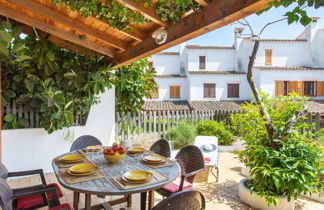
316	196
259	202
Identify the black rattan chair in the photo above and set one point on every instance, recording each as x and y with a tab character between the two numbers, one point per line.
189	199
11	199
191	161
84	141
161	147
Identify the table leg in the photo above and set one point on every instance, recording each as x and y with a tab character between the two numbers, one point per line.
87	202
76	198
151	200
143	200
129	200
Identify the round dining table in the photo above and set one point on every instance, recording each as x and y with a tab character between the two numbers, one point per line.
105	187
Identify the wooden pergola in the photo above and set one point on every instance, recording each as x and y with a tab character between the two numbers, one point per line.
65	26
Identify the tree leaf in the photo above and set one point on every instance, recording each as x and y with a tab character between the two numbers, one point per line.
4	51
9	118
16	31
5	36
29	84
50	55
68	105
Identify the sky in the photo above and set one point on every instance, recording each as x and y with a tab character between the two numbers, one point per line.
225	36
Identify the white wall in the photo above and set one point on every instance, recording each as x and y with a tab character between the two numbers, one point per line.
166	64
216	59
267	78
26	149
317	47
164	91
196	85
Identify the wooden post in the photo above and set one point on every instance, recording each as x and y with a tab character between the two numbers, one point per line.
144	122
168	118
163	123
317	121
154	121
150	122
134	124
117	126
139	123
159	123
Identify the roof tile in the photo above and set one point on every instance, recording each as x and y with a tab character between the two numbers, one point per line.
215	72
287	68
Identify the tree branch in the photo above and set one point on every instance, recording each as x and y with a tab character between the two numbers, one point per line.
268	24
269	126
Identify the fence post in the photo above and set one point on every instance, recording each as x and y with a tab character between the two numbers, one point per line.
317	121
154	121
144	116
117	126
159	123
139	123
163	123
134	124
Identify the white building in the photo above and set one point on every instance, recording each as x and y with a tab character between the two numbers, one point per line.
210	77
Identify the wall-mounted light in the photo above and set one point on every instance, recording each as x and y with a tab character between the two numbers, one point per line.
160	36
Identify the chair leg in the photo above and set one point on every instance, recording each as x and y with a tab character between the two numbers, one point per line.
217	173
129	200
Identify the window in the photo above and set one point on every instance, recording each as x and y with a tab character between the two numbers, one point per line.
268	57
209	91
174	91
202	62
285	91
233	90
309	88
155	93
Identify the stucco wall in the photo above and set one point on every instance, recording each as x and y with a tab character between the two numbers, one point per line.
25	149
197	89
164	91
267	78
166	64
216	59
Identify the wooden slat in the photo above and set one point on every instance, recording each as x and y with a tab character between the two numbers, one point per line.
51	29
43	10
147	12
217	14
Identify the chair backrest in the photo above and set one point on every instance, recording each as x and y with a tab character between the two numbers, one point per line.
3	171
5	195
84	141
190	159
188	199
161	147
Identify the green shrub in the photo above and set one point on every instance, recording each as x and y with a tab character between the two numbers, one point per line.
218	129
182	135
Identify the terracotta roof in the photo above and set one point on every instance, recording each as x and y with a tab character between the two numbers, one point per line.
168	53
279	40
287	68
170	75
209	47
215	72
216	105
166	105
315	106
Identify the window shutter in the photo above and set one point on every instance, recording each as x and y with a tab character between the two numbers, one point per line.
202	62
268	57
177	91
319	88
279	88
300	88
292	87
171	92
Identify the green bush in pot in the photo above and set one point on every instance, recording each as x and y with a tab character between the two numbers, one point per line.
182	135
218	129
287	165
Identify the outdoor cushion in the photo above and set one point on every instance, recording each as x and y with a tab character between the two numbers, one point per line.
207	159
174	186
64	206
34	200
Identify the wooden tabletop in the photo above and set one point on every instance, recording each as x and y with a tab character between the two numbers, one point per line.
104	186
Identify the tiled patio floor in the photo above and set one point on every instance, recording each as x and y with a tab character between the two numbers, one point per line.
221	196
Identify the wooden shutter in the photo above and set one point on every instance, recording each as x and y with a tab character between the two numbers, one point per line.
209	91
233	90
175	91
268	56
280	88
319	88
202	62
292	87
300	88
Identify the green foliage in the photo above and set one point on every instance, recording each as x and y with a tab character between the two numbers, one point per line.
182	135
287	167
111	12
57	82
218	129
11	122
133	83
299	13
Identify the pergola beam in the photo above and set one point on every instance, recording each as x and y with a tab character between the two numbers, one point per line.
217	14
51	29
202	2
147	12
65	20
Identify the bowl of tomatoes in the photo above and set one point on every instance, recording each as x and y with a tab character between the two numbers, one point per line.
114	154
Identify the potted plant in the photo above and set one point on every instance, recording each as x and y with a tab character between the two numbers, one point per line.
284	164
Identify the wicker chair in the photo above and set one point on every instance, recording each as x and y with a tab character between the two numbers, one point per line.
189	199
18	199
191	161
161	147
84	141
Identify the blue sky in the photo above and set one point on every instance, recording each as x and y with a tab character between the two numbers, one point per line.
225	36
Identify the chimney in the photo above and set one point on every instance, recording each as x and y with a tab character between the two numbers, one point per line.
311	29
238	31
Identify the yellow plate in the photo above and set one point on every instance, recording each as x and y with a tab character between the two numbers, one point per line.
154	158
84	174
83	168
136	182
136	150
72	158
137	175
